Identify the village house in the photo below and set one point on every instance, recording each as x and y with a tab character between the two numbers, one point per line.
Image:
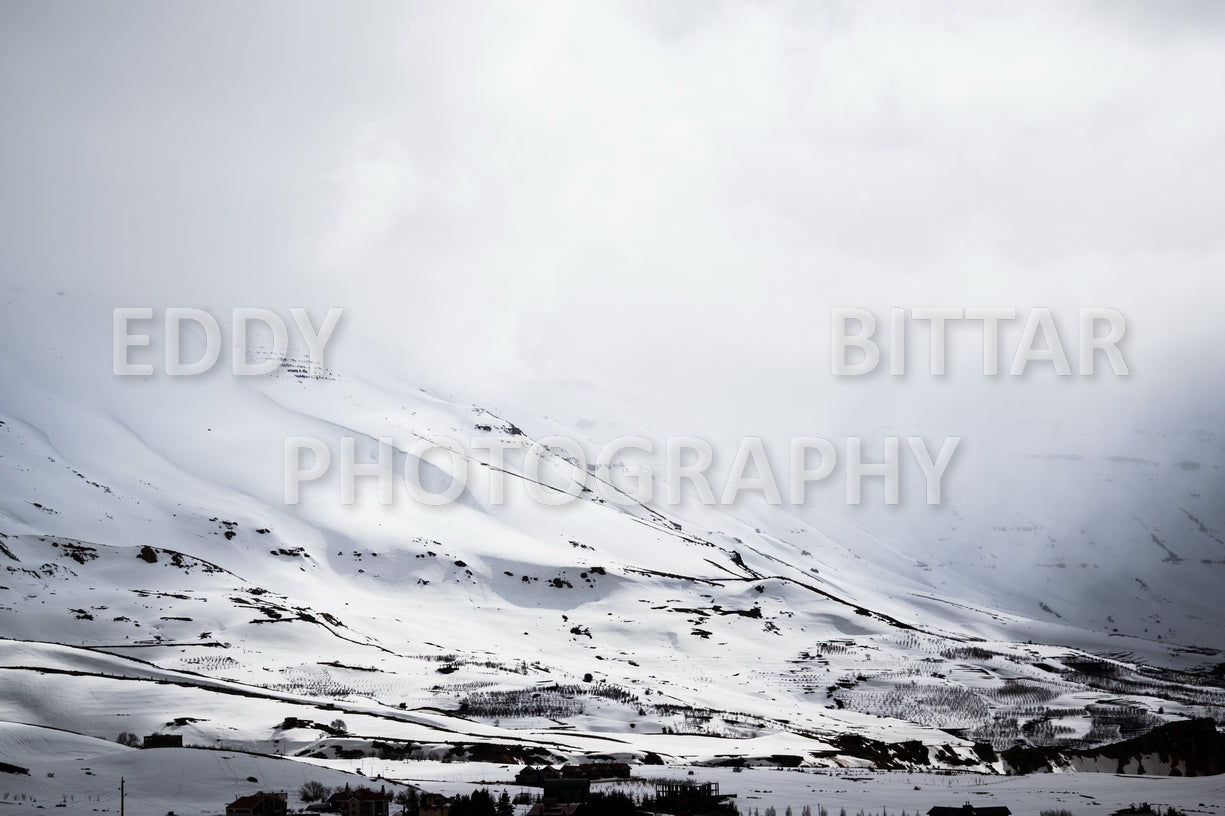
533	776
434	804
690	797
565	790
360	802
596	770
259	804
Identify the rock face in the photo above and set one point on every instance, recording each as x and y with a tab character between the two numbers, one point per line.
1188	748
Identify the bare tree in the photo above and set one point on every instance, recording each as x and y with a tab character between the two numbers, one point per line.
314	791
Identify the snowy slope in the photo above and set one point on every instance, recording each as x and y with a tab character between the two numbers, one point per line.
144	531
82	775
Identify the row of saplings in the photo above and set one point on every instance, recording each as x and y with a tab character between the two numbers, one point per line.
613	803
483	803
408	801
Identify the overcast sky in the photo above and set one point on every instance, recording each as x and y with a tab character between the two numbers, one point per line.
648	210
644	197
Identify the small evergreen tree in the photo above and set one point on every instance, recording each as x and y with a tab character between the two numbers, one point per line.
409	802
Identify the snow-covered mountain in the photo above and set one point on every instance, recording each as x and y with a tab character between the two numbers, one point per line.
155	580
554	228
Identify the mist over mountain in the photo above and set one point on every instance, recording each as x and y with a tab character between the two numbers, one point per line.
584	224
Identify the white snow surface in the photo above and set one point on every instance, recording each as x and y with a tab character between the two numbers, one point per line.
154	579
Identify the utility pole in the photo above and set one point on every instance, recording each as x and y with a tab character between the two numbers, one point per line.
121	795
